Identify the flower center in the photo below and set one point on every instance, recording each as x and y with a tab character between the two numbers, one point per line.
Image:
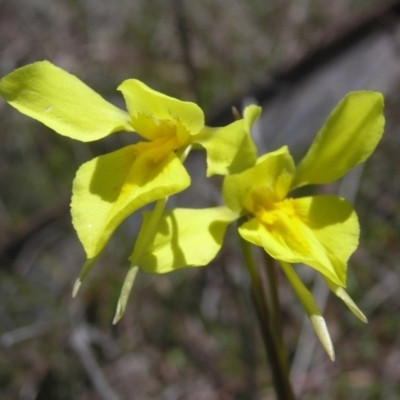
154	129
268	206
270	213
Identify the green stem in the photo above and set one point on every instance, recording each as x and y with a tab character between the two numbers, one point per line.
276	319
279	372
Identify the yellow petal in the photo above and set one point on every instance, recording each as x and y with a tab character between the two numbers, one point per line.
269	179
230	149
62	102
311	308
348	138
320	231
155	115
186	238
109	188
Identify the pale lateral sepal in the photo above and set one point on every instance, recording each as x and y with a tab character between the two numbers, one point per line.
125	291
344	296
310	306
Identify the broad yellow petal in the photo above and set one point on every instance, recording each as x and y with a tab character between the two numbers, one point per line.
320	231
348	138
109	188
311	309
230	149
62	102
269	180
186	238
155	115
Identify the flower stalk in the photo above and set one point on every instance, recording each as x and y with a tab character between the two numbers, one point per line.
280	372
276	320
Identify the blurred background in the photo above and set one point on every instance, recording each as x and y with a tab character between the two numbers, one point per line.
193	334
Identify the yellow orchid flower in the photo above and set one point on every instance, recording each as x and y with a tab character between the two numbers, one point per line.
109	188
320	231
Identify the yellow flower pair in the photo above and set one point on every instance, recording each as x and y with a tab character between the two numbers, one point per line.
319	231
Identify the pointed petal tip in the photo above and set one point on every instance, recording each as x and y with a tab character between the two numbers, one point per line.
119	312
117	316
125	291
365	319
322	332
76	287
344	296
